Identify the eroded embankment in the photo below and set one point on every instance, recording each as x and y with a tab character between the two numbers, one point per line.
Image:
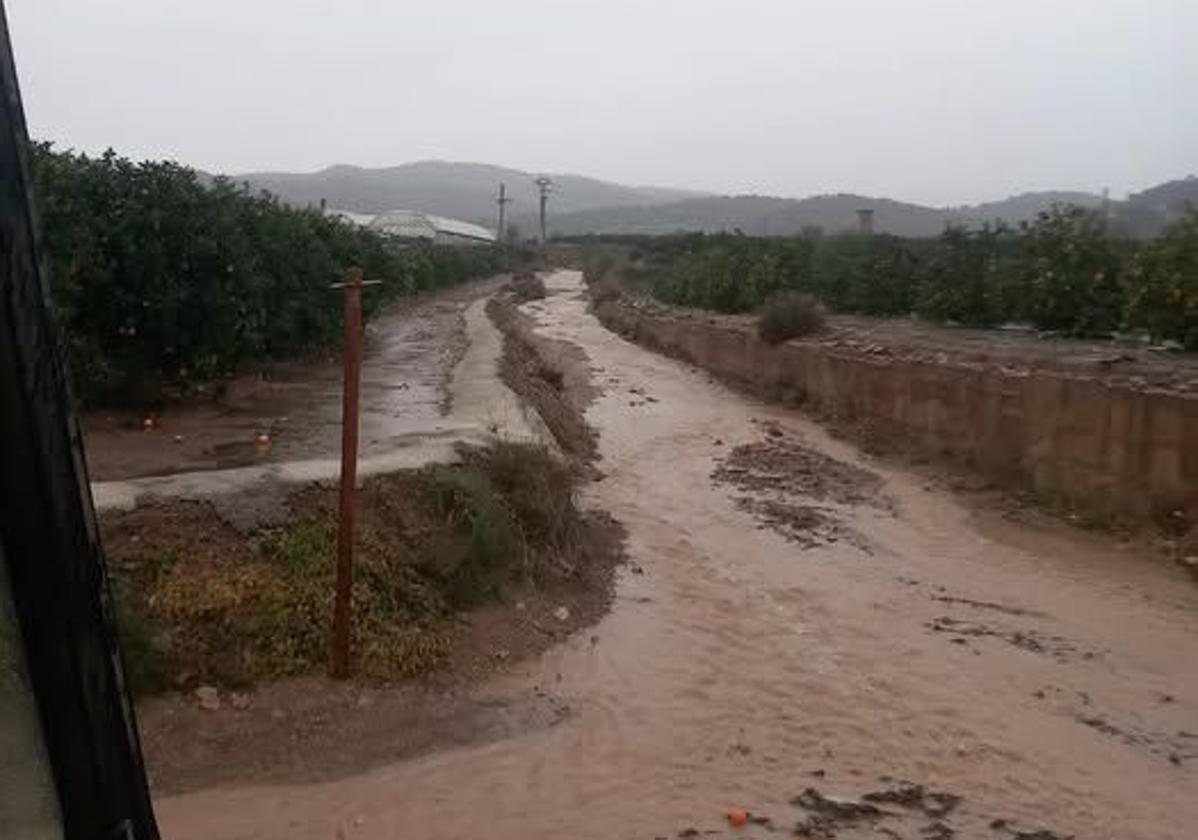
1082	442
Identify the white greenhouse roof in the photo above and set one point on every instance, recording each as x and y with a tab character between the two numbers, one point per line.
416	225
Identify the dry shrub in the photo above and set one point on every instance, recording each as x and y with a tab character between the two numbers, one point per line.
789	315
527	286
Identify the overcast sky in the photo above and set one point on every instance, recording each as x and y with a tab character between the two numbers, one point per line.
938	101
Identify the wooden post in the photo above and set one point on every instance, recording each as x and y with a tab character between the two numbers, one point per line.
343	603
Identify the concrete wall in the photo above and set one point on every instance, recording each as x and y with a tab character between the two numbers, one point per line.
1095	447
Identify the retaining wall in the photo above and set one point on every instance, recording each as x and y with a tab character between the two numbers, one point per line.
1093	446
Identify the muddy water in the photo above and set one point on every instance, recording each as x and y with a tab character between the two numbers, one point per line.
410	349
739	667
408	420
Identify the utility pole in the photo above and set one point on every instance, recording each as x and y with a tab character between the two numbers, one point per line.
501	201
543	185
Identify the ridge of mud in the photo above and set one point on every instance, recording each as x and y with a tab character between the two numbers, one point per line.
552	376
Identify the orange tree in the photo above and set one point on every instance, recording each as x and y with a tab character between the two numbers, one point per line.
161	275
1162	285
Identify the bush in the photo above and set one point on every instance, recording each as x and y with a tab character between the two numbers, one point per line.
964	278
789	315
1064	271
528	286
1162	285
1069	279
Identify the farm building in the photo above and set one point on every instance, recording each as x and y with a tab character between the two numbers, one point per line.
412	224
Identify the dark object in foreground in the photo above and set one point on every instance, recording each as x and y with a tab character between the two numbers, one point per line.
48	538
789	315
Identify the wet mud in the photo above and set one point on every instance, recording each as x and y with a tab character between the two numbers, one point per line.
738	668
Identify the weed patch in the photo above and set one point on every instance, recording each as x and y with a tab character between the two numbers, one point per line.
200	602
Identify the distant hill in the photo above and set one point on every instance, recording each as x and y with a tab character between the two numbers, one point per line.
1169	198
763	215
582	205
464	191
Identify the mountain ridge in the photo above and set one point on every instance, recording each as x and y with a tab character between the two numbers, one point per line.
583	205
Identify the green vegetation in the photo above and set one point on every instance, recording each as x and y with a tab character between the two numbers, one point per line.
160	276
1062	272
1161	285
200	602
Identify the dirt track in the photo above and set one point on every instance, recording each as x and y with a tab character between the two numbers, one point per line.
795	616
411	346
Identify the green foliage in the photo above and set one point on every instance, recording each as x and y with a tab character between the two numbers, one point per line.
511	510
1064	271
1069	273
159	277
874	275
966	277
1162	285
727	273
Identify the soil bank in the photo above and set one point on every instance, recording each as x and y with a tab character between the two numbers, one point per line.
1102	433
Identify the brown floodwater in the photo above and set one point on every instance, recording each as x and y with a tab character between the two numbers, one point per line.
409	350
1044	675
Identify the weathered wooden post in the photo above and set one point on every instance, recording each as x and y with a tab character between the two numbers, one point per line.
343	598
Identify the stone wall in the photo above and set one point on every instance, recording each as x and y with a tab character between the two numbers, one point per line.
1101	448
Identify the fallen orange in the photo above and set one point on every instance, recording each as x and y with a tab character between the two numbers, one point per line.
738	816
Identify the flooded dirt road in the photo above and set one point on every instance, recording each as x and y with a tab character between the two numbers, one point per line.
430	382
795	616
410	348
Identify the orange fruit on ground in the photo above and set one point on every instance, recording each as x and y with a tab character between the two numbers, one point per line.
738	816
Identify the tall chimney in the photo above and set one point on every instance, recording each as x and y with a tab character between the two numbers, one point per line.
865	221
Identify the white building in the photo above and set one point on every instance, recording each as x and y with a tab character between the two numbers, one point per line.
412	224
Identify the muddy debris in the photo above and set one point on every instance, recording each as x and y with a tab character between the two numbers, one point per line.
765	822
932	803
787	467
984	605
938	830
805	525
208	698
1158	743
835	807
773	473
1033	641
